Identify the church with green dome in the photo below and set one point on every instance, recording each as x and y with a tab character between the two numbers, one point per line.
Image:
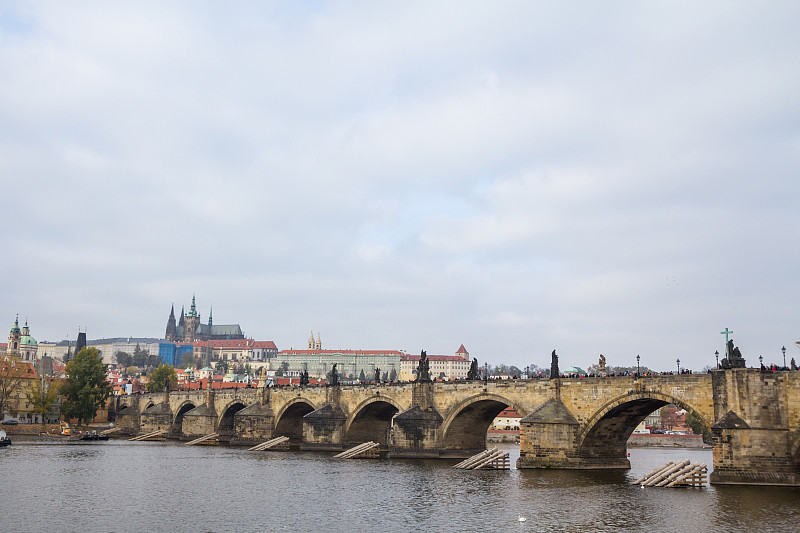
21	344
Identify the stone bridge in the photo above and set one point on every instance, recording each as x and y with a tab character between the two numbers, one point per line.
567	423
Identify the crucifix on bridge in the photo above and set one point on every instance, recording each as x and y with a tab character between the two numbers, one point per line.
726	333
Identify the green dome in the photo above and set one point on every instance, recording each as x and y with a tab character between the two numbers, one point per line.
27	340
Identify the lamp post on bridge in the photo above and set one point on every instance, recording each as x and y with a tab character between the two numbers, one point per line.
679	366
761	360
716	354
637	365
784	357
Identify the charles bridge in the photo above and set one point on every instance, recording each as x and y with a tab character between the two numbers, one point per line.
568	423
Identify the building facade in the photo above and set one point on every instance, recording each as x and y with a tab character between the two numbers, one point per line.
349	363
448	367
264	350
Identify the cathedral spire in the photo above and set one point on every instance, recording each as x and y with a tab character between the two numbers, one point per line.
193	309
172	330
210	310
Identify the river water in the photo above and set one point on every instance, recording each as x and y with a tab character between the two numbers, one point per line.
51	485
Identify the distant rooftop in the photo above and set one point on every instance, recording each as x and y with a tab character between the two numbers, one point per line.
111	340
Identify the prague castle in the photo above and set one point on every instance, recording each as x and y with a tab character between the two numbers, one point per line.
189	328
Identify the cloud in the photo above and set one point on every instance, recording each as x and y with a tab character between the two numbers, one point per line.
615	179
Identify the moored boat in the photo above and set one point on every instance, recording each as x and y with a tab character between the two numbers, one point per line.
4	440
93	435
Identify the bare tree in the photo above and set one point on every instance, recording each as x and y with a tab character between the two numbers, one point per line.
12	373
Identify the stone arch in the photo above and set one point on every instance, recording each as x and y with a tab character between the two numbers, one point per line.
371	421
225	422
603	439
177	419
464	429
148	405
289	419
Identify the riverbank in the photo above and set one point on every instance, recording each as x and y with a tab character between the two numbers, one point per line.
666	441
502	435
32	429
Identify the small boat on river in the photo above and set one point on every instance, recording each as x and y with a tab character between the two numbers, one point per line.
93	435
4	440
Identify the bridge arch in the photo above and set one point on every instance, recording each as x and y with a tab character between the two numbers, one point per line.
289	419
464	428
225	422
371	420
177	420
604	437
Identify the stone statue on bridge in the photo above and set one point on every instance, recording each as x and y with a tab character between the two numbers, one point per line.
304	378
424	368
602	363
734	359
473	369
334	381
377	375
554	373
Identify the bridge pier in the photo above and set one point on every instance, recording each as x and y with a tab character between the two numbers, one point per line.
156	418
128	419
549	438
753	440
323	429
202	420
415	431
253	424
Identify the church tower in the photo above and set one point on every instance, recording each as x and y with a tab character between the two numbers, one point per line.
318	346
172	329
27	345
191	322
310	341
14	338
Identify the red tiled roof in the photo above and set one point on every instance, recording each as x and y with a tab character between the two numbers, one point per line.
26	370
203	384
296	381
461	349
267	345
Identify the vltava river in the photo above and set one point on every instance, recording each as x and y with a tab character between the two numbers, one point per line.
49	485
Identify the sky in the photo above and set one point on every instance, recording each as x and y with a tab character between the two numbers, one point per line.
614	178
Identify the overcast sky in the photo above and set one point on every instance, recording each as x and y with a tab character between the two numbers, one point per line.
594	177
